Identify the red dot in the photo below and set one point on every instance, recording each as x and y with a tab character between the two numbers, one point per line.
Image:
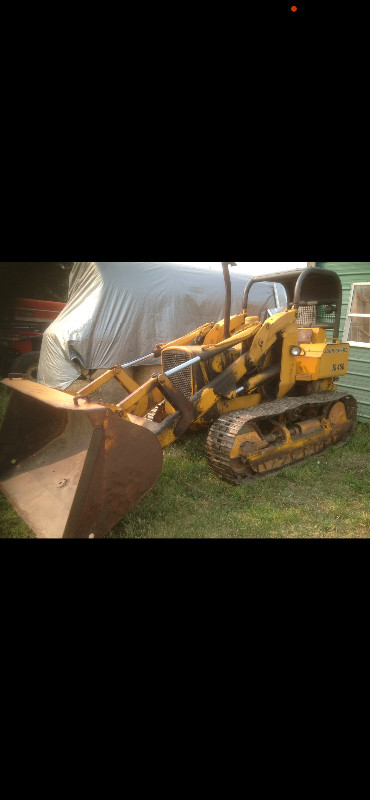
294	9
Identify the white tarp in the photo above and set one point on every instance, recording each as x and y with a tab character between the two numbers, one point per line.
119	310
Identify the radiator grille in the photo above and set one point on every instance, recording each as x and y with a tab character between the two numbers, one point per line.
182	380
307	316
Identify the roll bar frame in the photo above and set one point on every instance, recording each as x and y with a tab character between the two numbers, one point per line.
309	287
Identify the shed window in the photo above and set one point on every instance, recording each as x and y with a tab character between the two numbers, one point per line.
357	329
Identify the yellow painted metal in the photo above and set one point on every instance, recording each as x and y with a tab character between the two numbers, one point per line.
142	400
211	401
218	364
217	334
203	369
51	397
288	372
220	406
262	453
92	387
312	435
189	338
226	405
267	336
318	335
246	332
249	441
124	379
322	361
166	437
119	374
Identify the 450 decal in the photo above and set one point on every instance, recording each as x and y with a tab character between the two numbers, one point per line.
338	368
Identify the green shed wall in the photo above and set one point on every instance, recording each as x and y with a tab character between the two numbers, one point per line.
357	381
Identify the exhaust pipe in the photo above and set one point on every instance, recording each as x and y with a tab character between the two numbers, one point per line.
225	267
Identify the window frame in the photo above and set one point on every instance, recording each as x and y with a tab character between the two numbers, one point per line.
350	316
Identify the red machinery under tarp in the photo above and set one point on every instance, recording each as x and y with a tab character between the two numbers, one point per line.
22	327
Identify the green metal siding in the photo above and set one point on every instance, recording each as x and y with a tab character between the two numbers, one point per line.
357	381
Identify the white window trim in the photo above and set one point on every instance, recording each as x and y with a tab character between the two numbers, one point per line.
351	316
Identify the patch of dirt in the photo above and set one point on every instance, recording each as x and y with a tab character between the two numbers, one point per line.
111	392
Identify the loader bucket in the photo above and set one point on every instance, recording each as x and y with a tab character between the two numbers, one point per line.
72	469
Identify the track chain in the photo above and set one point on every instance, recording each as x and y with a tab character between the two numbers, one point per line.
222	435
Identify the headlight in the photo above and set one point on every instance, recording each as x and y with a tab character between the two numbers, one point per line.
295	351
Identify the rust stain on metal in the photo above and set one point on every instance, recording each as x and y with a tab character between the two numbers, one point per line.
78	471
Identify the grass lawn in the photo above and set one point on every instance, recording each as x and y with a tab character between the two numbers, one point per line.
327	497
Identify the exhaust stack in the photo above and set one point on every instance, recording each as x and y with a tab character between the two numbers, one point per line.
225	267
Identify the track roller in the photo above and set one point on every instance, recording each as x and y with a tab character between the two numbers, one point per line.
248	445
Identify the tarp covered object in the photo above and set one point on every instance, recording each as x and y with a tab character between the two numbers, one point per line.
119	310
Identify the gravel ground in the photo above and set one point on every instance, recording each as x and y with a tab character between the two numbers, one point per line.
111	392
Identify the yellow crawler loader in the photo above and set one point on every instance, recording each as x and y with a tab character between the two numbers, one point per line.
73	467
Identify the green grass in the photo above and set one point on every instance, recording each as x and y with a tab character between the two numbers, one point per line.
327	497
